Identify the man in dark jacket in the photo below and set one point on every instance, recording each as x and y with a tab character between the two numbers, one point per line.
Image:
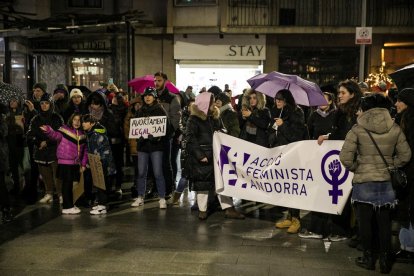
4	165
172	107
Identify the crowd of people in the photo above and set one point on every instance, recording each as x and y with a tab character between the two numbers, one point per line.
49	136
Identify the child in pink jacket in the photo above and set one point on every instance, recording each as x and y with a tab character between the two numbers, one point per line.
72	158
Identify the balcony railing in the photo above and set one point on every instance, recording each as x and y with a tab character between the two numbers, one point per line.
338	13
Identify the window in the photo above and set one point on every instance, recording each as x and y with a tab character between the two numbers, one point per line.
195	2
97	4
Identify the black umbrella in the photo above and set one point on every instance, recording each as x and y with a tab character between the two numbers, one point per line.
404	78
9	92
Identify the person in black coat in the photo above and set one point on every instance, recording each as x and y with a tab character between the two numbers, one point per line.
44	148
203	122
4	166
76	104
255	118
151	147
288	127
405	208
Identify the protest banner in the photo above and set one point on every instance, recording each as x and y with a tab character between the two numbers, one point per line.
144	126
300	175
97	171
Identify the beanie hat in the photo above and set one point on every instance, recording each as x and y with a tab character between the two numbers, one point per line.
202	101
41	85
61	88
150	91
407	96
215	90
46	98
223	98
75	92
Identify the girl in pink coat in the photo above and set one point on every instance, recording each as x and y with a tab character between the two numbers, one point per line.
72	158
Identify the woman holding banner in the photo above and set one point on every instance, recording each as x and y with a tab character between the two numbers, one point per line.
288	127
151	147
372	193
203	122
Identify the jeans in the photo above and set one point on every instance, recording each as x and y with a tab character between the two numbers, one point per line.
182	184
374	193
156	161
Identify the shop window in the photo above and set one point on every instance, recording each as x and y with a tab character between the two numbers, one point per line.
96	4
195	2
88	72
19	70
323	66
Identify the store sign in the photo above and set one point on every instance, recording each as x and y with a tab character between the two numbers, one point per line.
76	45
363	35
212	47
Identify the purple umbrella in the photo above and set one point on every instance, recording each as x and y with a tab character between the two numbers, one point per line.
304	92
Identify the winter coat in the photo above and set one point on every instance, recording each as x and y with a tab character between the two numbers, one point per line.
230	120
152	144
320	123
359	154
292	130
132	141
72	108
98	143
199	137
4	149
112	125
172	107
15	123
72	145
342	123
62	105
259	121
35	136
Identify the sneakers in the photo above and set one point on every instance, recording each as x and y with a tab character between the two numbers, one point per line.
294	227
98	210
309	235
285	223
60	199
48	198
7	215
163	203
337	238
202	215
71	211
118	193
138	202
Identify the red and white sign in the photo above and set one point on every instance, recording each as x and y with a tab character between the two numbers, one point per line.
363	35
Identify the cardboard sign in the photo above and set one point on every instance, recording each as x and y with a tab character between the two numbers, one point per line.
97	171
144	126
78	188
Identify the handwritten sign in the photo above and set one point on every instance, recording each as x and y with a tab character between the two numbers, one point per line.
144	126
97	171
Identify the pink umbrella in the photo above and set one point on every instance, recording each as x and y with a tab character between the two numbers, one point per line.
140	83
304	92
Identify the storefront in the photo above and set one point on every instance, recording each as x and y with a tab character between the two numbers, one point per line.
207	60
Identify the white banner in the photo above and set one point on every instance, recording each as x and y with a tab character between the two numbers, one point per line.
144	126
300	175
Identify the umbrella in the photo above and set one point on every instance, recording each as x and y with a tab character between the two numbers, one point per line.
8	92
140	83
304	92
404	77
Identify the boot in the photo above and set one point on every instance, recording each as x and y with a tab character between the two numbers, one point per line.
294	227
7	215
176	198
202	215
233	214
385	263
367	261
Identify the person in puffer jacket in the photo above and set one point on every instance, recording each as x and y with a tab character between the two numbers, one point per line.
72	157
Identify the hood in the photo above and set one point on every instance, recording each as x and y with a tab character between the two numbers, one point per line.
194	110
261	99
377	120
202	101
99	96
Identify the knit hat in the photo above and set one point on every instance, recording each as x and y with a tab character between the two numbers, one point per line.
46	98
215	90
61	88
41	85
223	98
75	92
407	96
202	101
150	91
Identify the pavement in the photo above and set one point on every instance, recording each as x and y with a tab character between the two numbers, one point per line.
150	241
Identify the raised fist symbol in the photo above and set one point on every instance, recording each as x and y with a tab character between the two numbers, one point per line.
335	169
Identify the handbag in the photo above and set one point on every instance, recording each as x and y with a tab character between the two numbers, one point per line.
398	176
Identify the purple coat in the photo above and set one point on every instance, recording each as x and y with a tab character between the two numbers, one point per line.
72	145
